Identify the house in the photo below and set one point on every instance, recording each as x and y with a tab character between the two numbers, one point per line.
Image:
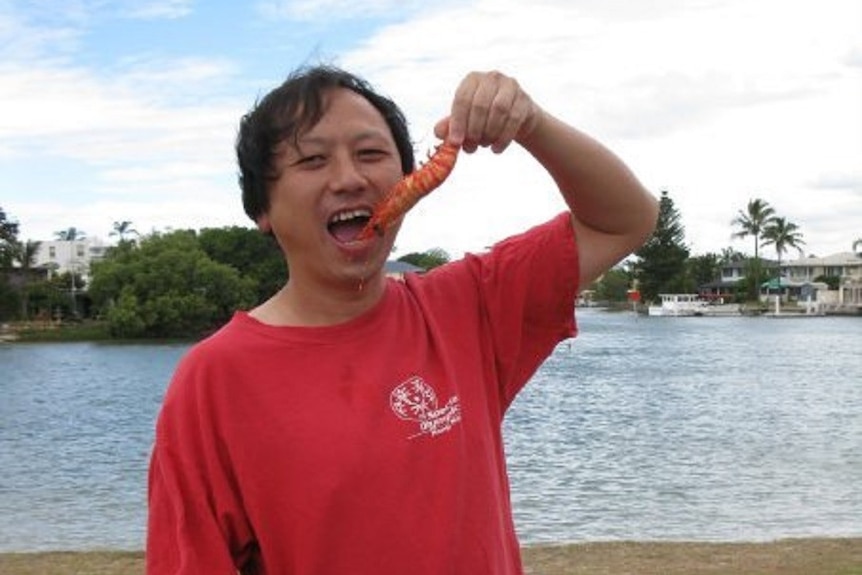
397	269
846	266
798	280
725	288
61	256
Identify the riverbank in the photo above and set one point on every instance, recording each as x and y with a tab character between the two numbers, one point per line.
839	556
51	331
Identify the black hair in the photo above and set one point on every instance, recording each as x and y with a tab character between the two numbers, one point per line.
291	109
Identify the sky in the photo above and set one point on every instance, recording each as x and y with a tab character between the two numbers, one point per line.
127	110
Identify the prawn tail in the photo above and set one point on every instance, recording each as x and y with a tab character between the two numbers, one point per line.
410	189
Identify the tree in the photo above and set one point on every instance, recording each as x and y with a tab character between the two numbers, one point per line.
253	254
704	269
10	299
8	239
26	252
167	287
753	221
613	286
834	282
729	255
428	259
25	255
662	259
70	235
857	245
782	234
123	229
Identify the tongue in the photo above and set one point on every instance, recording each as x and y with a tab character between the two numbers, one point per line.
347	231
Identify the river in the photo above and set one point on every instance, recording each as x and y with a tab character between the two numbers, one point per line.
731	429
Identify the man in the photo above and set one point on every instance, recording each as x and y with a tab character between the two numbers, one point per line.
351	423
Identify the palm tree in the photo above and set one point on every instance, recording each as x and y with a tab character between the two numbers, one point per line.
124	228
25	254
782	234
729	255
71	235
752	222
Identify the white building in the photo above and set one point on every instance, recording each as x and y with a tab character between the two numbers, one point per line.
797	273
845	265
60	256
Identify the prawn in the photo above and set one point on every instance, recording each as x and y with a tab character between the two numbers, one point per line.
410	189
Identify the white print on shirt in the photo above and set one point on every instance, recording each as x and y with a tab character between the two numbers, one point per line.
415	400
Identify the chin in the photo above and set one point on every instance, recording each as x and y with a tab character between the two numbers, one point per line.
359	267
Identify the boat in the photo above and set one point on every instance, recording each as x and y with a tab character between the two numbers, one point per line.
691	305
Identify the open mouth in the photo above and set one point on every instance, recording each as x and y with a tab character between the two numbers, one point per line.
345	226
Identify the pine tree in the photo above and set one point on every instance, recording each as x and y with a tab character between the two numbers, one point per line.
662	264
8	239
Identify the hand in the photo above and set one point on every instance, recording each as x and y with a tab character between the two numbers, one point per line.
489	110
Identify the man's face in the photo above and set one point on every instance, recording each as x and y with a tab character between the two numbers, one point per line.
329	181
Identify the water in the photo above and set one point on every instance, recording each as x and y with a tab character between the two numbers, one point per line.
692	428
76	426
641	428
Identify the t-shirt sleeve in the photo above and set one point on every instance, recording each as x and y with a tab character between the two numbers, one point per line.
196	524
529	284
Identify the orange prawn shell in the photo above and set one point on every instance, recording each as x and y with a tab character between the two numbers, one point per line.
410	189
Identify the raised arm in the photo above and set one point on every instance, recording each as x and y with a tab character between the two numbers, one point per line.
613	214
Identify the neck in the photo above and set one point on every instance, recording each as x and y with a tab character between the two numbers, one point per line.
297	305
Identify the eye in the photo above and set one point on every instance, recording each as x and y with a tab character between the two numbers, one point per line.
311	161
373	154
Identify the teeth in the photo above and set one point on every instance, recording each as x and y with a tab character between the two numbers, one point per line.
344	216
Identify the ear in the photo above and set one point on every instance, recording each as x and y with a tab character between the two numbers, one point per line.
263	224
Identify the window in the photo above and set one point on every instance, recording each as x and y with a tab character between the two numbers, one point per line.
52	252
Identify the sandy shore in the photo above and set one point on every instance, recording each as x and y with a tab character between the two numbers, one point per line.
841	556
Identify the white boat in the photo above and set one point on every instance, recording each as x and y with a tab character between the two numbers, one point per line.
691	305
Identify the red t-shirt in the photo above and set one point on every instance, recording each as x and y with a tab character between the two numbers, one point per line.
370	447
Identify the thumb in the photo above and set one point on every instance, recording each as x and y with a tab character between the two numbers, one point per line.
441	128
446	131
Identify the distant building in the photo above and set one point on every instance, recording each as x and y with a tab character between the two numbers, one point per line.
396	269
846	266
840	265
58	256
732	273
798	279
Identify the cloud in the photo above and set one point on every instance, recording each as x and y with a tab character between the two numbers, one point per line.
854	57
329	10
21	39
158	9
851	181
137	115
717	101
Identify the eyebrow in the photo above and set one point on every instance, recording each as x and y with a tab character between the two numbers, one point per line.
323	140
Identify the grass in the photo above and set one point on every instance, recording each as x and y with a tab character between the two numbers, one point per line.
46	332
784	557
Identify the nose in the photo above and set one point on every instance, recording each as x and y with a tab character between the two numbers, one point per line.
346	174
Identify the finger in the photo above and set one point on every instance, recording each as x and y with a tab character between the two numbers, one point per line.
480	110
515	120
503	112
460	111
441	129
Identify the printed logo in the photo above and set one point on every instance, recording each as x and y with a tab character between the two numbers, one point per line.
415	400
